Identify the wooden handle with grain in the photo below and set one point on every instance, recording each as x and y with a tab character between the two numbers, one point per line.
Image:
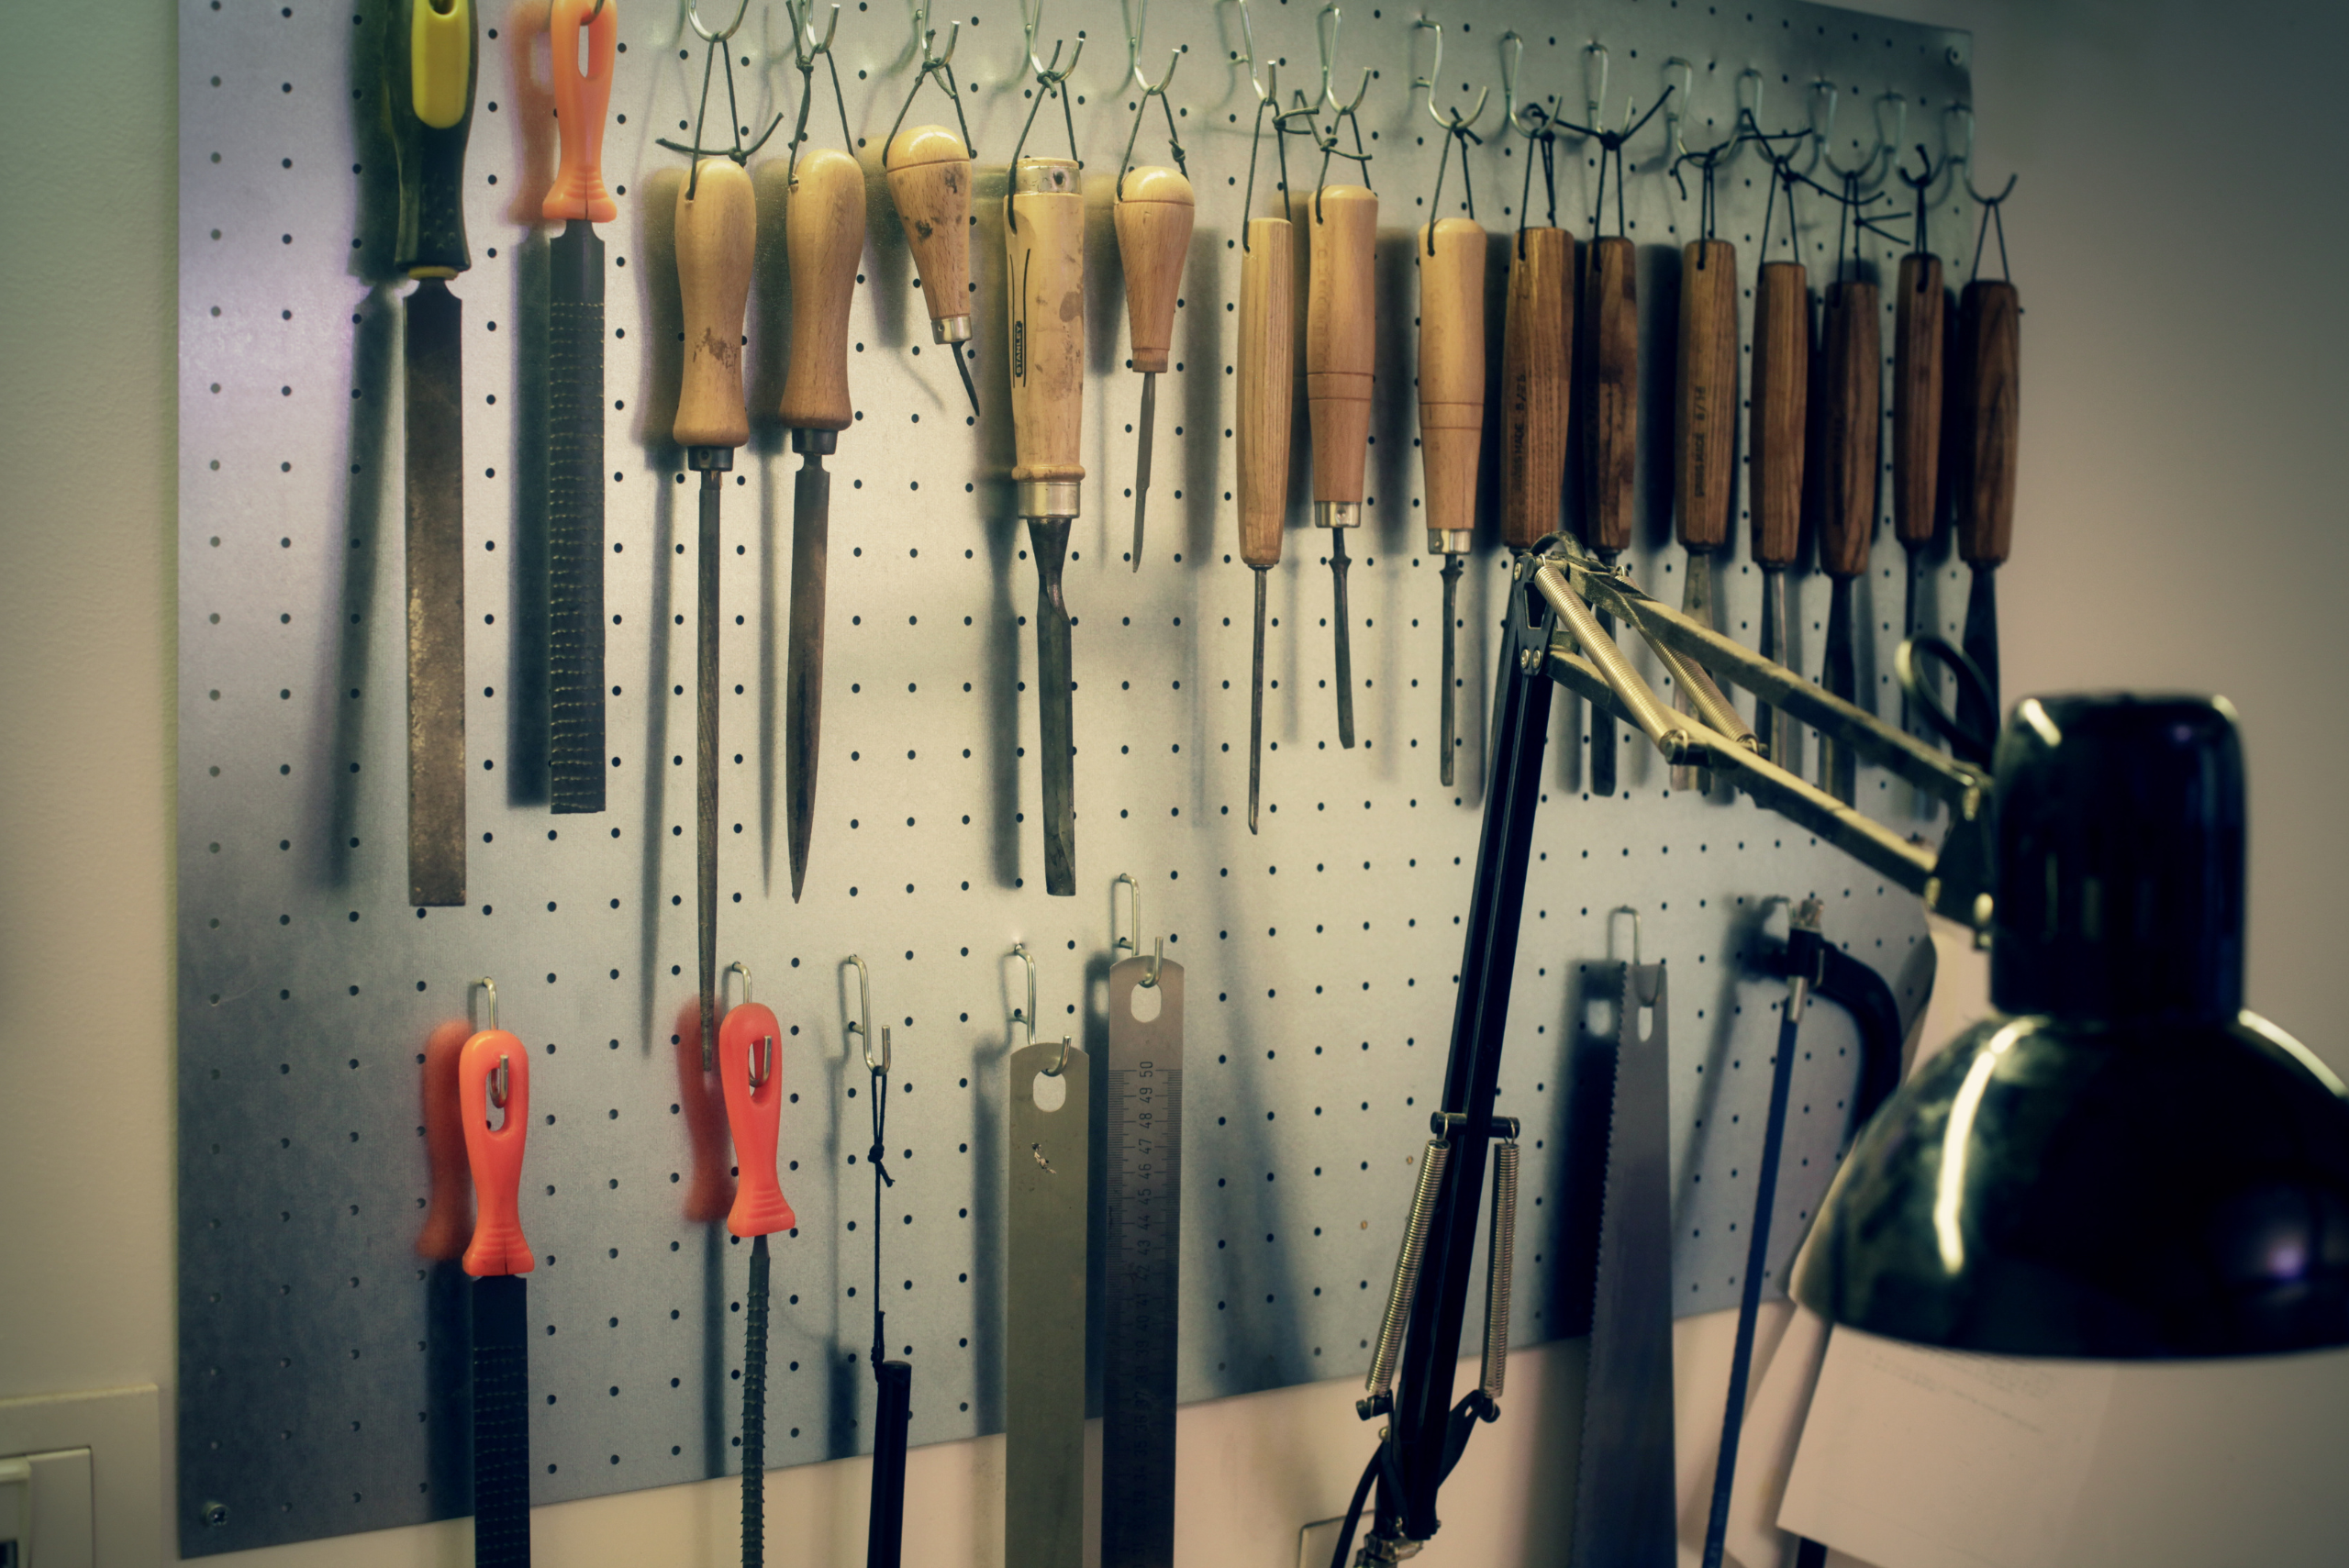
823	240
1705	423
1780	396
1154	220
1044	239
1989	350
716	232
1917	326
1341	303
1451	376
1852	383
1267	385
1537	383
929	181
1610	324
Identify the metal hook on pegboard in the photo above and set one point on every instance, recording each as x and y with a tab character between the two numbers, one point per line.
1454	128
932	64
1150	91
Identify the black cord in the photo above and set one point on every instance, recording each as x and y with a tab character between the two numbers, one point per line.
881	1178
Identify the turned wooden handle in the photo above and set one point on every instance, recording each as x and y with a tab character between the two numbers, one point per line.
717	232
1537	382
929	181
1342	302
1917	398
1154	218
1267	385
1781	392
1452	375
1852	383
1044	236
823	218
1705	426
1989	349
1611	315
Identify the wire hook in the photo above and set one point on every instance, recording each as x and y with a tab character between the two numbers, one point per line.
1119	944
1512	59
1453	124
939	65
1138	13
1635	914
1965	161
1020	950
860	1029
803	47
737	967
489	987
1031	19
1325	38
693	18
1674	114
1823	136
1248	51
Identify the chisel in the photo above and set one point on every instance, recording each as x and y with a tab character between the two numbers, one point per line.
1044	236
1154	213
1451	254
1775	440
1537	383
823	236
1852	422
1610	341
1340	314
929	182
430	61
576	763
1704	436
1917	326
1267	404
1989	342
717	229
494	1074
750	1067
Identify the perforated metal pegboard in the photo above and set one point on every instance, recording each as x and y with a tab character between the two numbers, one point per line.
316	1350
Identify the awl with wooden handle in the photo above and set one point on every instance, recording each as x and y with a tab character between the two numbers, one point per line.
1152	212
1267	404
1341	312
1989	350
1610	340
929	181
1451	254
1852	383
1776	440
1044	239
1919	319
1704	435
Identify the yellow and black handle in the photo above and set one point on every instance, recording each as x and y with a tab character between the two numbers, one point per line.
431	55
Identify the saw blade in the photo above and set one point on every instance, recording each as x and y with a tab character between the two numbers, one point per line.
1145	1154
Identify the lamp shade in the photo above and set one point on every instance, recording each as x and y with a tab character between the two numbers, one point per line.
2124	1163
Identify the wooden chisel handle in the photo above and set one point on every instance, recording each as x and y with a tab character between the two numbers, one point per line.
717	230
581	99
1342	302
1044	236
1781	383
1267	385
1989	348
1537	383
1611	306
1853	381
823	238
1917	398
1451	376
1704	429
929	181
1153	216
431	58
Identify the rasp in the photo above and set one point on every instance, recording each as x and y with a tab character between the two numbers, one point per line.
431	59
824	235
1704	471
1043	1309
1610	341
1451	256
576	762
1990	368
493	1075
1341	318
750	1067
1142	1301
1153	212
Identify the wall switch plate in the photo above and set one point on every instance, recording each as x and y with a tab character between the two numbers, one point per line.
92	1490
48	1512
1316	1541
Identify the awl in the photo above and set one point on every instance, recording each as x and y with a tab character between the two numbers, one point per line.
929	182
1152	212
1341	312
1610	342
1704	435
1451	255
1267	404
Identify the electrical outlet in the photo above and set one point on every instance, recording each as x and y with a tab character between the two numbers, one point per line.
91	1489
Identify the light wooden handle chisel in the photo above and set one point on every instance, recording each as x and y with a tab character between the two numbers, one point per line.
1451	376
823	240
1989	330
1704	429
1611	417
1853	381
1917	327
1045	273
1781	394
1340	336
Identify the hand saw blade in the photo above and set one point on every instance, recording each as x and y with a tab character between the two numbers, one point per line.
1043	1353
1145	1155
1626	1493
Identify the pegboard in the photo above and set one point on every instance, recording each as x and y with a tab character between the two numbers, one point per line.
321	1388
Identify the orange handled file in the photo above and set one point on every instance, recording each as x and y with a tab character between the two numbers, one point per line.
750	1062
491	1058
581	99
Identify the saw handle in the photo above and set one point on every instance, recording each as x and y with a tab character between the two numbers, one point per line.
750	1041
1267	385
580	101
431	57
929	182
1451	254
1044	236
449	1212
1611	306
1780	397
1153	214
1704	429
1917	360
1989	348
1341	302
1853	380
823	238
717	230
495	1153
1537	383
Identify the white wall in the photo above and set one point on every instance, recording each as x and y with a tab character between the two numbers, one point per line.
2179	527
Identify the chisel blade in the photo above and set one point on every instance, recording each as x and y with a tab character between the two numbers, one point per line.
1836	764
1338	618
1697	603
803	690
705	752
1055	726
1257	705
1602	723
575	759
1141	460
1452	564
435	596
1982	647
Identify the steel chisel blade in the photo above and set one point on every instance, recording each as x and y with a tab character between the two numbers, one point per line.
803	686
1055	728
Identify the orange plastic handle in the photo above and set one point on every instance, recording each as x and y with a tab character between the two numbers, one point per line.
750	1038
496	1153
709	1184
579	106
448	1213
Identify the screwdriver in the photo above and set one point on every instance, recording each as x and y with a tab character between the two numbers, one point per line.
1990	346
1341	306
1917	323
1781	394
1451	255
1267	404
1853	381
1610	308
1044	239
1704	431
824	235
575	755
929	181
1153	213
717	229
494	1072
